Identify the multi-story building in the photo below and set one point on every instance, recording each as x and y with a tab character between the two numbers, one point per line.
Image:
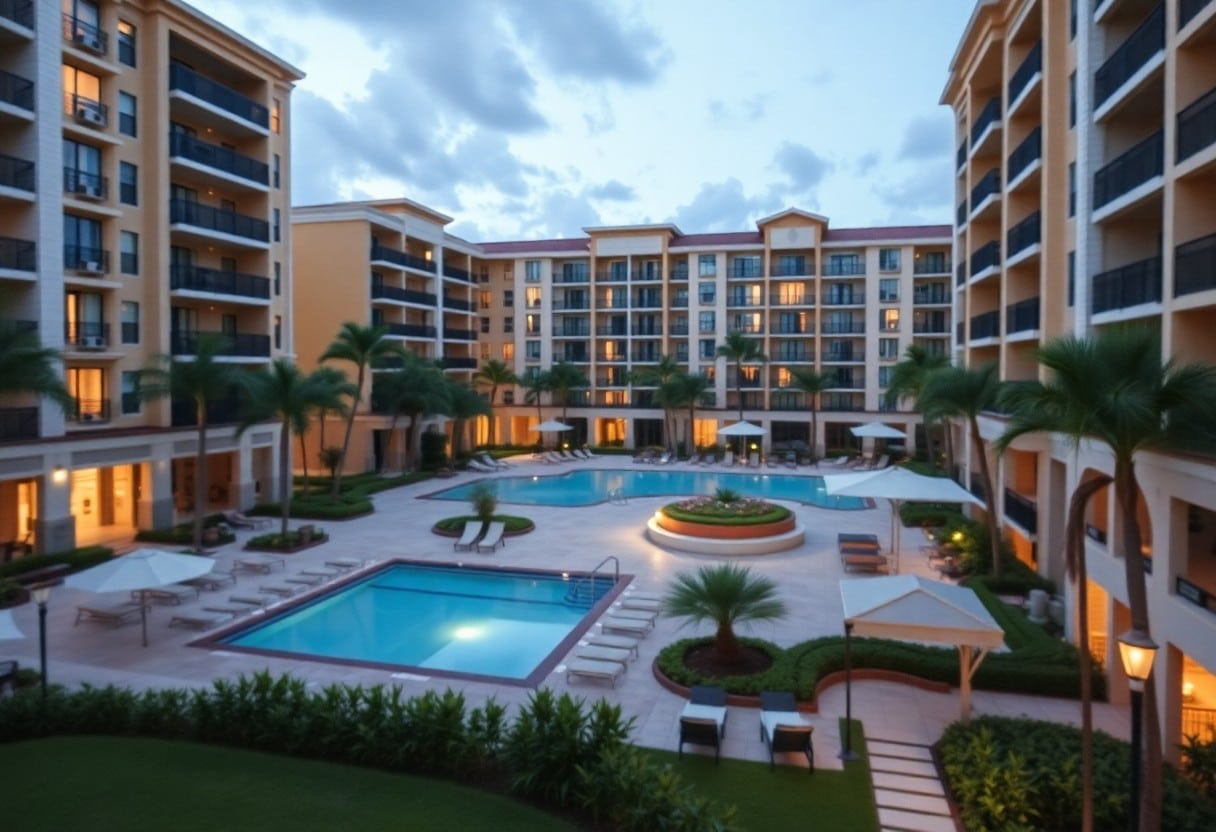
1086	188
144	185
845	302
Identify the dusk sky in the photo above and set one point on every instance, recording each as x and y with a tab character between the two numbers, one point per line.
528	119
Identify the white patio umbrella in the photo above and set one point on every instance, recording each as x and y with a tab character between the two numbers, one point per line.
877	430
742	429
898	485
551	426
140	570
9	631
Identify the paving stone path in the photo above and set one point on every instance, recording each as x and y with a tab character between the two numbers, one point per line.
909	795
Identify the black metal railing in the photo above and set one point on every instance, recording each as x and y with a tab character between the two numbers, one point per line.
17	423
961	213
745	269
17	91
931	264
1025	234
791	300
453	334
960	157
652	273
20	12
611	276
1135	167
572	276
186	80
1187	9
960	274
1031	64
85	35
85	258
831	298
779	328
185	146
458	363
649	303
83	182
649	328
215	281
843	327
800	268
221	412
989	184
929	328
1195	266
560	304
987	116
583	331
1133	53
844	268
379	290
1196	126
793	355
984	257
386	254
840	402
1129	285
985	325
218	219
88	334
613	303
935	295
412	330
612	329
1022	316
1022	511
450	302
457	273
1029	151
576	356
16	173
678	329
86	110
679	273
84	411
236	344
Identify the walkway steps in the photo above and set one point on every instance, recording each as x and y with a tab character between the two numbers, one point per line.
907	791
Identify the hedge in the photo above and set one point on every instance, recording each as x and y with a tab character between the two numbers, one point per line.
777	514
514	523
291	542
76	560
319	508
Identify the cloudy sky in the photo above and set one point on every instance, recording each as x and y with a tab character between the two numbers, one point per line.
534	118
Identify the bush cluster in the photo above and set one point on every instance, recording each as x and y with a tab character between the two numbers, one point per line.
928	514
76	559
455	525
291	541
1007	773
556	751
183	533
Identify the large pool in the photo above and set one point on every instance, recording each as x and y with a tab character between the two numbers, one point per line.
454	620
591	485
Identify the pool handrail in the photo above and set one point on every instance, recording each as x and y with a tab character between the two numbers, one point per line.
590	577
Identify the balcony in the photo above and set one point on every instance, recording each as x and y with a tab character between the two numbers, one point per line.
740	300
85	35
934	296
217	282
987	256
988	186
17	92
1130	285
1022	236
583	331
960	157
223	412
411	330
560	305
86	111
649	328
985	325
183	146
779	328
844	328
1138	165
1188	9
791	300
648	303
84	184
572	276
843	298
450	302
238	345
86	259
576	357
930	328
987	117
17	255
678	328
652	273
458	363
680	273
613	303
1022	510
844	268
611	276
17	174
216	96
20	12
961	214
18	423
960	274
1196	127
804	268
1132	54
931	264
839	402
1026	154
616	329
86	335
1195	266
88	411
1022	316
745	270
382	292
454	334
219	221
1031	65
457	273
646	357
802	355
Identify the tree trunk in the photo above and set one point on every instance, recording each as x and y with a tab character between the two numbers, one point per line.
1137	601
200	475
285	477
814	433
726	643
948	440
304	462
994	531
493	433
457	438
350	427
739	386
392	428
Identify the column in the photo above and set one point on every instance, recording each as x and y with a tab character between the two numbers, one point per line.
154	492
54	526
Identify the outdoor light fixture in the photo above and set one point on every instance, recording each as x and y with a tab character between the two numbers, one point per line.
59	475
42	594
1136	651
1188	691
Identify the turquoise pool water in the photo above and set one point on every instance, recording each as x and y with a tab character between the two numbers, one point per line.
425	617
591	485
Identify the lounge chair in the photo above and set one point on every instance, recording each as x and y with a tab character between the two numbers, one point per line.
709	459
196	621
243	521
566	456
862	463
345	564
594	669
646	456
587	451
636	614
228	610
486	459
838	462
469	537
321	573
791	460
250	600
493	537
305	580
882	462
481	467
703	720
212	580
166	594
8	675
605	654
695	459
260	565
115	615
665	458
552	456
634	603
782	728
577	454
647	596
619	642
278	589
615	624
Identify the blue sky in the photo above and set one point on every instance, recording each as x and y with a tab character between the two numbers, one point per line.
535	118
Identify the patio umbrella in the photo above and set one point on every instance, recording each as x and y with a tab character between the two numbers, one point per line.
9	631
140	570
551	426
742	429
877	430
898	485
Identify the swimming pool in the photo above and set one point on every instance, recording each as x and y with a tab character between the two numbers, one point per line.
443	618
591	485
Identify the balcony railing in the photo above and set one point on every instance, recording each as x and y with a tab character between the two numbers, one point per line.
16	173
237	344
791	300
793	355
185	146
1133	53
960	157
1032	63
457	273
412	330
649	303
571	331
984	257
678	329
459	363
20	12
840	402
219	220
985	325
566	305
577	357
1022	511
843	327
1026	153
86	111
1195	266
85	35
679	274
611	276
646	274
779	328
84	411
1135	167
88	259
454	334
844	268
744	300
976	487
618	329
185	413
988	115
1025	234
575	276
1129	285
86	334
961	213
1022	316
745	269
18	423
450	302
960	274
930	328
379	290
1197	126
188	81
215	281
17	91
843	298
930	296
1187	9
805	268
931	264
84	183
988	185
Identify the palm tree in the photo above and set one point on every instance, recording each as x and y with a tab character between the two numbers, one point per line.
740	350
495	374
908	380
658	376
201	380
464	403
965	392
1112	388
726	595
365	347
805	380
418	388
535	385
693	390
565	377
340	388
285	394
27	367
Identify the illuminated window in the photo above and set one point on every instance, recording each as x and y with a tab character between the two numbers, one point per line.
276	117
508	352
890	320
533	297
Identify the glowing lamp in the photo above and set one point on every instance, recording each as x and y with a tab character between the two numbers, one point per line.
1137	652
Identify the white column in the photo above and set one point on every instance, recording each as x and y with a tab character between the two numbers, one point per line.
54	525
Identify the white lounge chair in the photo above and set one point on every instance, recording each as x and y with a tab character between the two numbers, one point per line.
278	589
213	580
553	457
646	596
619	642
345	564
238	520
617	624
601	653
493	537
166	594
260	565
486	459
566	456
468	539
593	669
115	615
196	621
481	467
634	603
636	614
665	458
577	454
838	462
587	451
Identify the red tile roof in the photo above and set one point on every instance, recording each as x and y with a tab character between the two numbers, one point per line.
727	238
527	246
887	232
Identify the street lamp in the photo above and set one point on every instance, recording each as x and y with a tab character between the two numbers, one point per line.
846	751
1136	651
42	594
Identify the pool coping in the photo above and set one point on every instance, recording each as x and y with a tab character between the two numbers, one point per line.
213	641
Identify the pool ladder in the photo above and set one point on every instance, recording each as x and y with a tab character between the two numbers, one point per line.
585	592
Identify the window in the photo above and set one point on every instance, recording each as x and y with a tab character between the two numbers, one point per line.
532	350
276	222
278	162
82	97
485	299
127	107
82	170
682	352
508	325
884	376
130	391
1072	277
532	322
707	292
485	325
532	297
789	265
1072	189
276	116
746	266
845	264
575	272
532	271
128	183
87	385
484	350
888	260
707	265
278	332
888	348
508	298
126	44
706	322
128	252
508	352
1072	99
680	301
618	271
129	314
888	290
82	244
708	349
278	277
889	320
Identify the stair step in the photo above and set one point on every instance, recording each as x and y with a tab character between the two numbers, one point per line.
895	765
905	783
908	802
898	749
914	822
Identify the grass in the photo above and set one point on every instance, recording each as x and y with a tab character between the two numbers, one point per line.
786	798
455	525
135	784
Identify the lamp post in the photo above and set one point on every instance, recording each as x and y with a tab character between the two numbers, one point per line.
42	594
1136	652
846	751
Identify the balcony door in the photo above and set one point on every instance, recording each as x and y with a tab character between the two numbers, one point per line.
83	313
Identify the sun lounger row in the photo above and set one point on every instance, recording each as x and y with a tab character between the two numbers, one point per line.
782	727
860	551
482	537
605	655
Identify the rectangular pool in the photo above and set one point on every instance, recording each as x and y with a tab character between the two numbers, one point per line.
445	619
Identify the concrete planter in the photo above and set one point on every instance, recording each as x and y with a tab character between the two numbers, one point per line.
717	532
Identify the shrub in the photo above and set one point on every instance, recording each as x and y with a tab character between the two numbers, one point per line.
319	508
928	514
484	500
183	533
735	510
76	559
454	525
1199	764
291	541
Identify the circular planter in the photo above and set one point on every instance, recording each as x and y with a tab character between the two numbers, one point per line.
716	531
792	538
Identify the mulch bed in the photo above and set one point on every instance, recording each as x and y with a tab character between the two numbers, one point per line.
704	660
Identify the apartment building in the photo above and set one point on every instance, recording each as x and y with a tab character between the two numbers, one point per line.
841	301
144	186
1086	188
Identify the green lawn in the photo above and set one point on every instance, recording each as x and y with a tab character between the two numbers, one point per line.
786	798
103	783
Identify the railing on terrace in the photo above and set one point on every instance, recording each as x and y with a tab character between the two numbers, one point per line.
379	290
85	34
1135	167
1026	153
931	264
1031	64
199	279
985	325
961	214
412	330
20	12
989	184
185	146
988	115
1025	234
1022	316
188	81
1196	126
1133	53
960	156
450	302
217	219
1129	285
1022	510
244	344
830	298
1195	266
17	91
804	268
457	273
984	257
16	173
571	332
844	268
1188	9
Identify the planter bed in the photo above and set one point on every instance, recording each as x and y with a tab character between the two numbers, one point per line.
721	531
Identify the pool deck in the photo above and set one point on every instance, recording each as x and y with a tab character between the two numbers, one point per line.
565	538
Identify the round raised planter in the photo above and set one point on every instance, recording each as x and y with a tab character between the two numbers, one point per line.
720	531
726	546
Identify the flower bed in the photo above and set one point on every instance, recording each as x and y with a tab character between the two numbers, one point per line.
739	519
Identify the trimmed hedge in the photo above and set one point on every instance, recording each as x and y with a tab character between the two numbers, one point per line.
76	560
183	533
455	525
928	514
318	508
289	543
708	518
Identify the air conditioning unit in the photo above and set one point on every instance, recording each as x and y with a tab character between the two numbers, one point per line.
90	115
90	189
91	266
92	342
88	41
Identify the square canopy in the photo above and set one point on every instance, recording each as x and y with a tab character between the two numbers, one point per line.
911	608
